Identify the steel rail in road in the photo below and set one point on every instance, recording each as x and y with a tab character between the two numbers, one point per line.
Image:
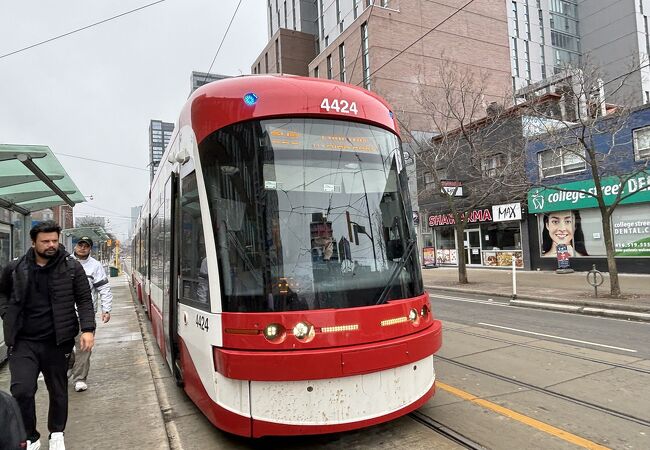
542	390
445	431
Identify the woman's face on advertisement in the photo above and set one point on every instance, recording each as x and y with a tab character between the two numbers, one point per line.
560	227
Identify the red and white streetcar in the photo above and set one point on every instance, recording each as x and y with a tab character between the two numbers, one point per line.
276	258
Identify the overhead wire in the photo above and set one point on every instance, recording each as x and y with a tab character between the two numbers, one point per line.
102	162
222	41
80	29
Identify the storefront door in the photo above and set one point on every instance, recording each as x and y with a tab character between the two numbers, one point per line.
473	247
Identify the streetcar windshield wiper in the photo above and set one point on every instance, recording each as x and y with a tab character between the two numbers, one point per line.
400	265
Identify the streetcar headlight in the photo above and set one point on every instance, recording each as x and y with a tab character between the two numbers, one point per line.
273	331
413	314
303	331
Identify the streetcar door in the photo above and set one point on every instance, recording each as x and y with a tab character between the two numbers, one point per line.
169	269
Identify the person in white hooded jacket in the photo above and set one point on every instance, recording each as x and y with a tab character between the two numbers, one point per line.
102	296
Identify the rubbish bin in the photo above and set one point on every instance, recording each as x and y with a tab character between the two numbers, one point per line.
114	271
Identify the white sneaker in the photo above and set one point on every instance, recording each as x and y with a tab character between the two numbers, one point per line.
80	386
56	441
36	445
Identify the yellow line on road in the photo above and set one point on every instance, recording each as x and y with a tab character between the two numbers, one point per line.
557	432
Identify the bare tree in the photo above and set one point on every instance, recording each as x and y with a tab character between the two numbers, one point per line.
477	157
582	132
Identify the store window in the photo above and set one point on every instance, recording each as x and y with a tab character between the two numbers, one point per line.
445	243
631	228
501	244
642	143
580	230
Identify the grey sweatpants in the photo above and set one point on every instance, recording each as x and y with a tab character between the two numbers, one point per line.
81	362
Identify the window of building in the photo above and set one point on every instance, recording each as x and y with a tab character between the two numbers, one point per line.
527	21
338	12
365	57
322	21
329	67
561	161
342	62
355	8
642	143
515	19
492	165
293	13
428	180
316	74
266	62
515	57
527	59
647	35
278	67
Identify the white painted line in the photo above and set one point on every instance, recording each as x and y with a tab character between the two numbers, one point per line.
467	300
558	337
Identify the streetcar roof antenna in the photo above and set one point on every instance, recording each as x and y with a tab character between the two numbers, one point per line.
32	178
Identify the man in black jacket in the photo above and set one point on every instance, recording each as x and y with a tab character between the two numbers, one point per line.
38	295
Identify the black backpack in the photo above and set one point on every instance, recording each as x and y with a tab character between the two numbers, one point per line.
11	423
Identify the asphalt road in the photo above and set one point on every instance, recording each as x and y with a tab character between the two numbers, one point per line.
614	335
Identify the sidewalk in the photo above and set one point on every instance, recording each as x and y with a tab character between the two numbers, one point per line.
120	409
548	290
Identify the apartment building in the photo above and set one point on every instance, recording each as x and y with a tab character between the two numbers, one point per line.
547	35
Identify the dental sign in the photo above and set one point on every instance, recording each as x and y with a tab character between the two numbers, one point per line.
576	195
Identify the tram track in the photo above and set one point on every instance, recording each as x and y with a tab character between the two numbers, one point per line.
445	431
556	352
550	392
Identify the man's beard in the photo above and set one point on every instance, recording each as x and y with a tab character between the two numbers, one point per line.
47	254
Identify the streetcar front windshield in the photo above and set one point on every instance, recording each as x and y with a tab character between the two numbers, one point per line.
309	214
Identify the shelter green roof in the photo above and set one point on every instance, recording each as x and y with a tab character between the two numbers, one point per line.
97	234
32	178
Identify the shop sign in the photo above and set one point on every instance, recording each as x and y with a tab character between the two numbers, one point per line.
454	188
575	195
510	211
563	256
428	257
476	215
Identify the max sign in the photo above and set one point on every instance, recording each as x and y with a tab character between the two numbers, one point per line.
509	211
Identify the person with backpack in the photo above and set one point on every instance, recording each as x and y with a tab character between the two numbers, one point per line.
38	296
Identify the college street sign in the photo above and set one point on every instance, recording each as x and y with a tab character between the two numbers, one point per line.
575	195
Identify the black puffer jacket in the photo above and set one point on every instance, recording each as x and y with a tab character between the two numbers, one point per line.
68	287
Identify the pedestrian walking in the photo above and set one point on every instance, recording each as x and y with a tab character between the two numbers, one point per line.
102	297
38	296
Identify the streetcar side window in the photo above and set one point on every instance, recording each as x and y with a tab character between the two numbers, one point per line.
193	265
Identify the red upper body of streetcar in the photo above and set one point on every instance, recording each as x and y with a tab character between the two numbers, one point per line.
276	256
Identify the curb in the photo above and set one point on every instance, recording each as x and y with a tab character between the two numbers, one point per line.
164	404
618	311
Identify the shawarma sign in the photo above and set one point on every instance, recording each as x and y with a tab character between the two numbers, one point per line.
575	195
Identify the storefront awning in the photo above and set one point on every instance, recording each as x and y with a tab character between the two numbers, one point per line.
32	178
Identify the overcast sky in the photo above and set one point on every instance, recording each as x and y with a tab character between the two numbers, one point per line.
92	94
